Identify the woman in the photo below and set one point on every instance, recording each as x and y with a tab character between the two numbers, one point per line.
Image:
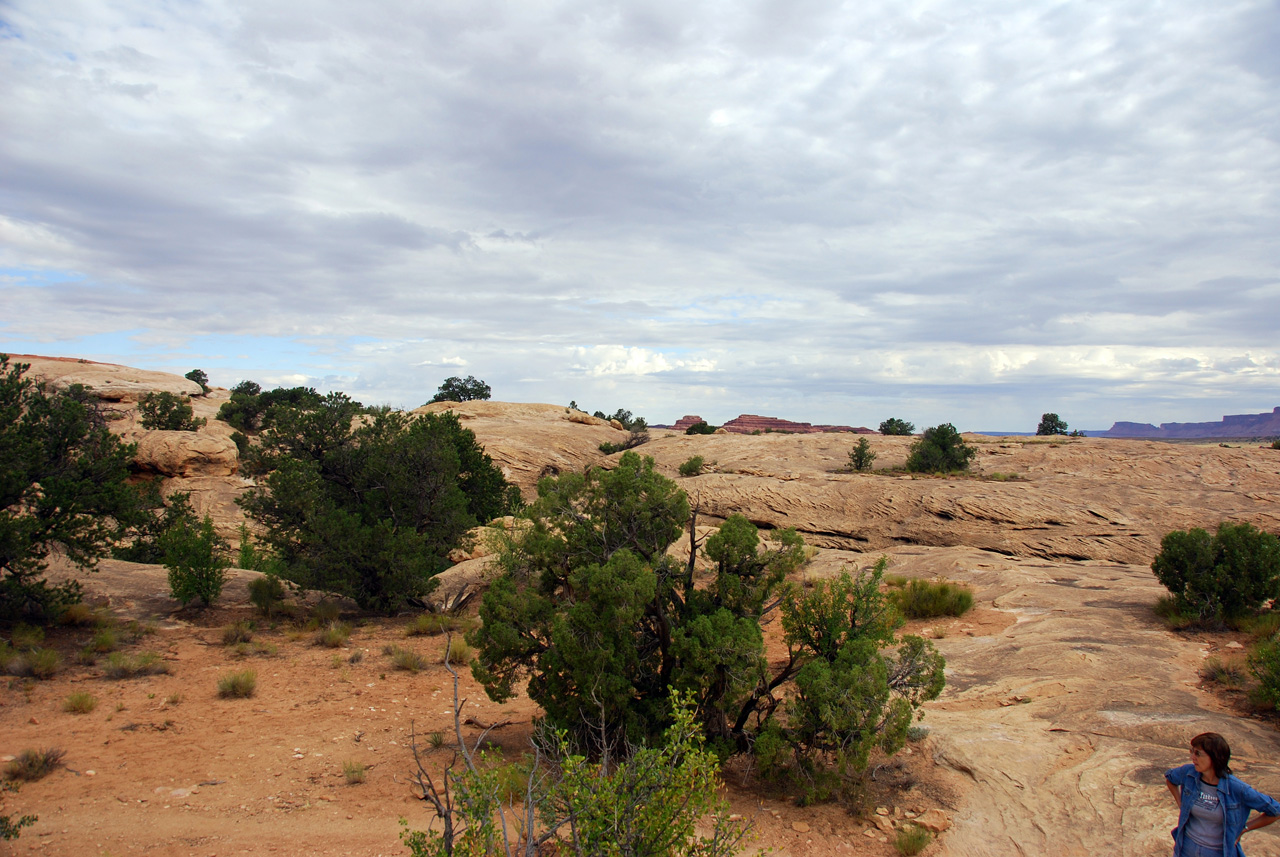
1213	803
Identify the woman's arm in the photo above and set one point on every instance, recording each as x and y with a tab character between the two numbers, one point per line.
1258	822
1176	791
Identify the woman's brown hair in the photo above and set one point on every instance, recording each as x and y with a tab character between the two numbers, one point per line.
1217	749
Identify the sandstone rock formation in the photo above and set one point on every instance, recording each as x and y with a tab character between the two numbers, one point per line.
109	382
529	441
751	423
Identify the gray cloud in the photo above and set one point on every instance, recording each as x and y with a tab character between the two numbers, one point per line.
827	211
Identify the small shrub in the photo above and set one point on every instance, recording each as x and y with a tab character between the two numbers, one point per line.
26	636
917	733
173	699
356	657
457	652
911	840
407	659
121	665
1264	663
429	625
104	640
196	559
1229	673
326	611
925	599
37	663
334	635
78	615
266	593
861	456
435	740
168	412
354	772
1275	444
693	466
86	657
32	765
702	427
239	631
238	685
80	702
1262	626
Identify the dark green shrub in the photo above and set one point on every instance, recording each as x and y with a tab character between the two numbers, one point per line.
167	412
1264	663
1050	424
702	427
466	389
266	593
199	376
895	426
861	456
926	599
63	475
370	510
1219	578
334	635
940	449
10	828
153	516
692	467
195	557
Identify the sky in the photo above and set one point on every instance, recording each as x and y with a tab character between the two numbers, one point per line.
965	212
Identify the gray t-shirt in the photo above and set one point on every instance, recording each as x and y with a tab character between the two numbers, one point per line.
1205	825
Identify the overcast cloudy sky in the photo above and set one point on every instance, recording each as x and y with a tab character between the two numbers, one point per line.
945	211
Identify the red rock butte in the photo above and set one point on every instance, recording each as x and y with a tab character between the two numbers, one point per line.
751	424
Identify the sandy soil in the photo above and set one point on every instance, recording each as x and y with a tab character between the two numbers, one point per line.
162	766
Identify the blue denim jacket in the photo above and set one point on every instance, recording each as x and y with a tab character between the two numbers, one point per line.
1238	799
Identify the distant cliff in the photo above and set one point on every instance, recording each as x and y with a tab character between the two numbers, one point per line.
752	424
1235	425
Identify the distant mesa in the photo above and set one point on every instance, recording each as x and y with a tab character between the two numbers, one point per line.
751	423
1235	425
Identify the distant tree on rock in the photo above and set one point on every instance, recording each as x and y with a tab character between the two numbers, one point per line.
1051	424
861	456
468	389
200	378
893	425
701	428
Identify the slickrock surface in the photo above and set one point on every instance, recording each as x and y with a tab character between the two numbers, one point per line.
1059	726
